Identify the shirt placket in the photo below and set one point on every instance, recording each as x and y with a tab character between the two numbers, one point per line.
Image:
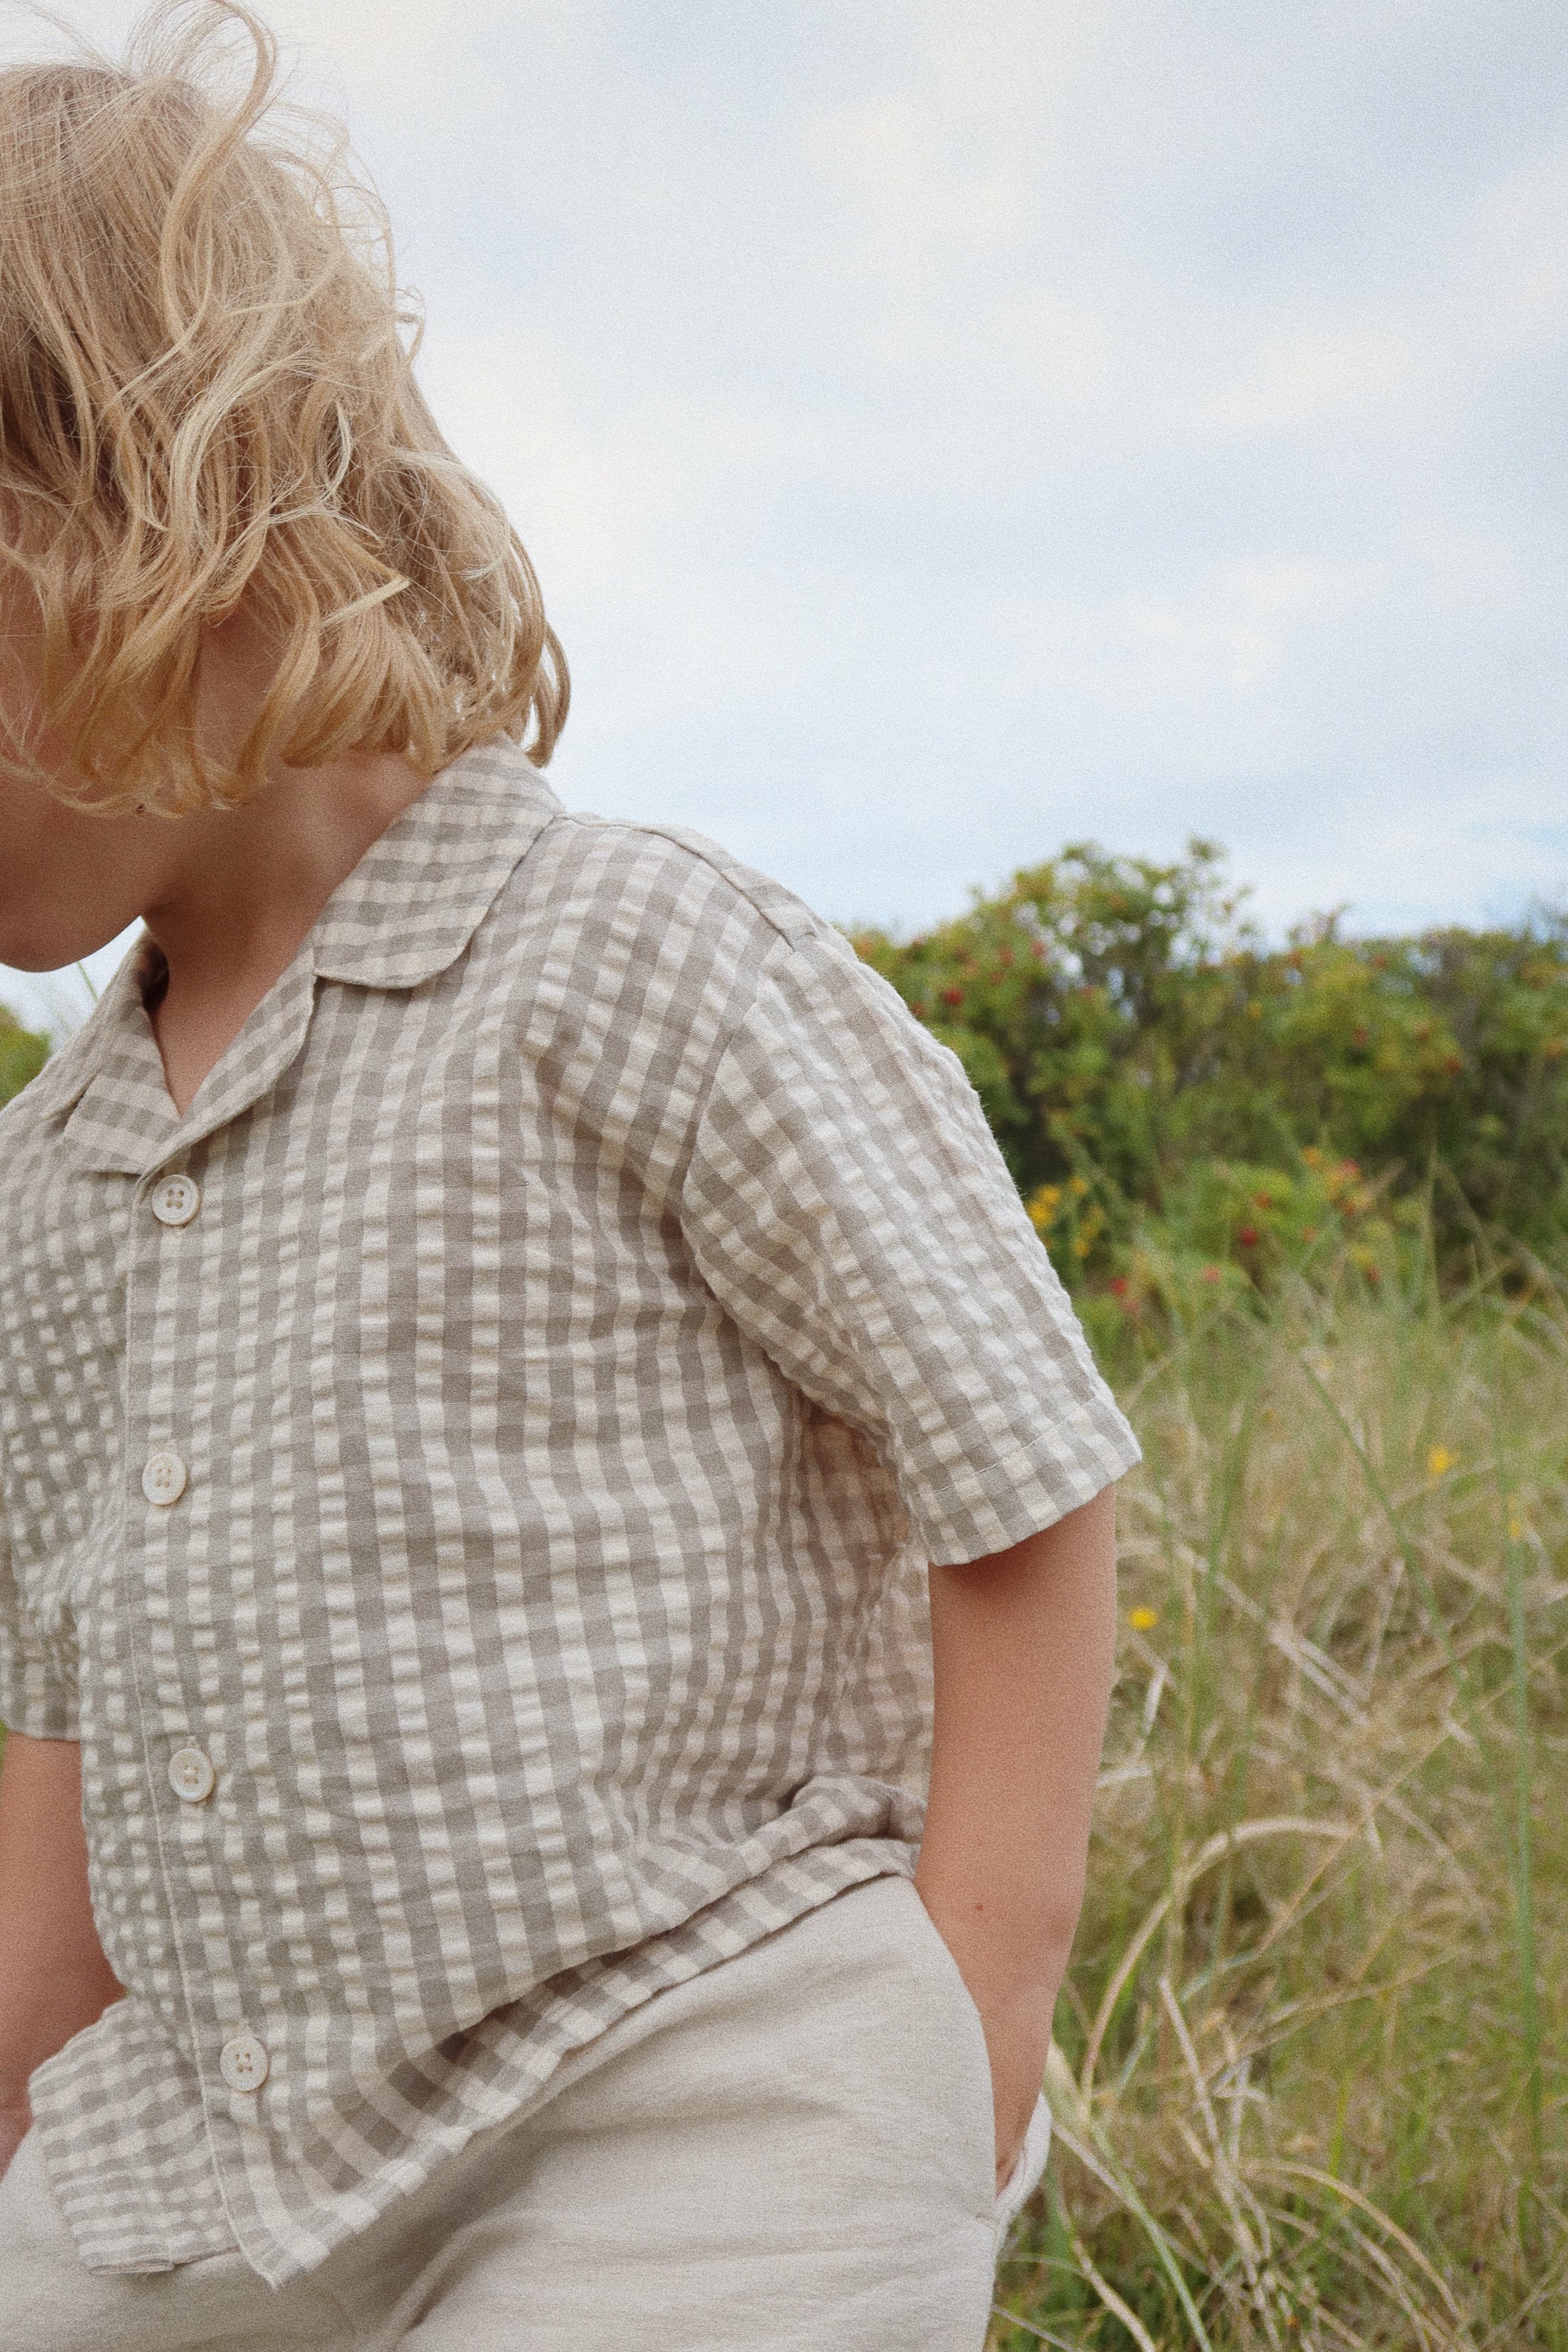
169	1472
171	1478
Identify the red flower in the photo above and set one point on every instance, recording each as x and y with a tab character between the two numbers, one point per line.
1120	1285
1247	1237
1211	1273
952	995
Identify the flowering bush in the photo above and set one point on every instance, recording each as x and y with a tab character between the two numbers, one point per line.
1173	1095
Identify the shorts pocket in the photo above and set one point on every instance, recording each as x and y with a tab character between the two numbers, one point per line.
1027	2173
969	2040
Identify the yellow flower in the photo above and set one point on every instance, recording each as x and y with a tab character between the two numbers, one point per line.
1515	1527
1439	1460
1142	1620
1080	1248
1079	1185
1043	1206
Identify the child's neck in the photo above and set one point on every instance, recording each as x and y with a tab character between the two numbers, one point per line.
244	889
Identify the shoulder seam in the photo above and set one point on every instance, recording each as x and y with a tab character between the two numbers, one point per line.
732	871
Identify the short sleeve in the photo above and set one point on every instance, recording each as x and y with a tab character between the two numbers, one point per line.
37	1682
848	1205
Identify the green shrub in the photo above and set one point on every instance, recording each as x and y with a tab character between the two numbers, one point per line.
1153	1069
22	1055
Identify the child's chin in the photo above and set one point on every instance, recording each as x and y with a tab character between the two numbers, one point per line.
24	950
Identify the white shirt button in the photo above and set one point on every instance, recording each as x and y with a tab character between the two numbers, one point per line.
163	1477
191	1776
175	1199
244	2063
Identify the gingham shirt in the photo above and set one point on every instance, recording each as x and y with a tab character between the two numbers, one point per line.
468	1484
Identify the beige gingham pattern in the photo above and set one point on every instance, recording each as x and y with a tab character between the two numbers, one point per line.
604	1299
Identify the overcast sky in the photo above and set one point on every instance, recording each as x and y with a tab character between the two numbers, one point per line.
950	429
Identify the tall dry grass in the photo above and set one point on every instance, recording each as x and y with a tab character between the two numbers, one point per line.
1309	2086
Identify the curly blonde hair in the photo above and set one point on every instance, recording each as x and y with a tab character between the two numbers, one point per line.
206	394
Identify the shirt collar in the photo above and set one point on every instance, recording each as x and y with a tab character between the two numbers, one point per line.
419	894
408	911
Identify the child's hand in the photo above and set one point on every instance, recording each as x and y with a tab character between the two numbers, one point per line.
1018	2042
1016	2016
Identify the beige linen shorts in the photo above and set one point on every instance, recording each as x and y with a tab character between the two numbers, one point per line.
793	2149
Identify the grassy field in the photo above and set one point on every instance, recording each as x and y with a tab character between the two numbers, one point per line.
1310	2085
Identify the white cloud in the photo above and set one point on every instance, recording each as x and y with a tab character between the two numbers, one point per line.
1228	634
1302	373
1514	290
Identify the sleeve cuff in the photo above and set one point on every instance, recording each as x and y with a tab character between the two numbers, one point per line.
38	1706
1018	1493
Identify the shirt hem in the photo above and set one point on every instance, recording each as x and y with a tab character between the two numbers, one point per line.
787	1891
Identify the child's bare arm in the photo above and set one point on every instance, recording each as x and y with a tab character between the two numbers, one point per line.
1024	1644
54	1978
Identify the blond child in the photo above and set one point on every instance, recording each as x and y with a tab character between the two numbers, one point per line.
518	1357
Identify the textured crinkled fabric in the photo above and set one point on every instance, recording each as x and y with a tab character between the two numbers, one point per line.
476	1522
